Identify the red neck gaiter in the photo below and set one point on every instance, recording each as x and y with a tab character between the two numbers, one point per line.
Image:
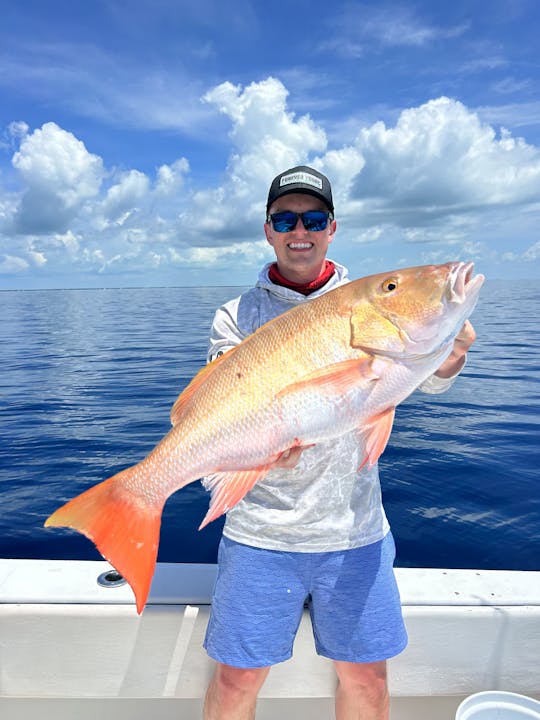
305	288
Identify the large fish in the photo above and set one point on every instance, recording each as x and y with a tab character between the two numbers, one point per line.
340	362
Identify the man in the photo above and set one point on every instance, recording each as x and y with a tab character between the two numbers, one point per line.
315	526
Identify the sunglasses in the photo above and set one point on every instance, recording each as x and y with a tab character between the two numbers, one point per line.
312	220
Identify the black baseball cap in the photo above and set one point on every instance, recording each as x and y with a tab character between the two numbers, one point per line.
301	179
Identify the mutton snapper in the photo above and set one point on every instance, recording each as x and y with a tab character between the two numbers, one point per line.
340	362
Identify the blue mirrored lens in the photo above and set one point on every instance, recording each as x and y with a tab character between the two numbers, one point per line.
284	221
313	220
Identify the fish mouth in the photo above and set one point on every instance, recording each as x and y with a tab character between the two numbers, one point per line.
460	297
462	285
457	296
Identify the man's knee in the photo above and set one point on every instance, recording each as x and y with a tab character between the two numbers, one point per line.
240	681
367	678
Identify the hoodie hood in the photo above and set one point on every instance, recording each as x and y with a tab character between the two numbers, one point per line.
340	277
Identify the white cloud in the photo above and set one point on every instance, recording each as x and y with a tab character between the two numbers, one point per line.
437	183
485	61
518	114
8	208
69	241
359	26
11	264
170	178
18	129
439	160
242	253
59	175
532	252
265	138
510	85
124	197
343	166
39	258
13	133
92	82
94	258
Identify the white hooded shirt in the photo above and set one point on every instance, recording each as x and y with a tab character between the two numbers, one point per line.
325	503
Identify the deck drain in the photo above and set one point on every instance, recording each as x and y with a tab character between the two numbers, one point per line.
111	579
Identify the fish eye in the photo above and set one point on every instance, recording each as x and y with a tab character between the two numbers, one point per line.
389	285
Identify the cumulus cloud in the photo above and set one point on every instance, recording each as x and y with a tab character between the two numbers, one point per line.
440	160
170	178
435	179
10	264
59	175
70	241
265	138
124	197
240	253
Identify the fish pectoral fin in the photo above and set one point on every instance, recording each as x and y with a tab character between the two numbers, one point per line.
228	488
337	378
375	433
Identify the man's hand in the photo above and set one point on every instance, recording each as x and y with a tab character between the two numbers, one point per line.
455	361
289	459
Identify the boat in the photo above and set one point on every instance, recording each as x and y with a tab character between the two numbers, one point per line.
72	646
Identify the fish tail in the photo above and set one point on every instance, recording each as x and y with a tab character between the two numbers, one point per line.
124	527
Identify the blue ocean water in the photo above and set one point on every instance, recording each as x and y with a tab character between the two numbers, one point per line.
89	376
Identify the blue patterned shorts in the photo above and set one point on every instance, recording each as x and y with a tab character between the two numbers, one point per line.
260	594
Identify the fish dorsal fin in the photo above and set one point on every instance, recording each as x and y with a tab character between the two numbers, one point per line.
228	488
337	378
185	396
375	433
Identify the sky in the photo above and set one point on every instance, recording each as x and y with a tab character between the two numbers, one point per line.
138	138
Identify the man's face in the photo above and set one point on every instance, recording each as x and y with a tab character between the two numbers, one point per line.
300	253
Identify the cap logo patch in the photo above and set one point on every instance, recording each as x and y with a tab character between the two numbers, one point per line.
301	177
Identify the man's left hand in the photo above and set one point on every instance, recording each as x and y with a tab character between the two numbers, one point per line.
455	361
289	459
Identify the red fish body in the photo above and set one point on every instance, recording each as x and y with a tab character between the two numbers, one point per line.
340	362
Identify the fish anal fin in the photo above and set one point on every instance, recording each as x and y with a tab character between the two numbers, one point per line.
375	434
124	528
186	395
228	488
337	378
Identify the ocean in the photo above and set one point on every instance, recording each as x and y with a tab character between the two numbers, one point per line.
89	376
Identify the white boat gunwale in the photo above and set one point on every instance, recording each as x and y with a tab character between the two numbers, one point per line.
71	648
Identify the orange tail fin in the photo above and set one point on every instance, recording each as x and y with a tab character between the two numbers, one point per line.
124	528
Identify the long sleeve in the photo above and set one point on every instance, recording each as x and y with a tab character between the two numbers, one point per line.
435	385
225	333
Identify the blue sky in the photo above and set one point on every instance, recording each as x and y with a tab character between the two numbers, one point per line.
138	138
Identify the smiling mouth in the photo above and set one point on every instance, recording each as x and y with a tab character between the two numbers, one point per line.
300	245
